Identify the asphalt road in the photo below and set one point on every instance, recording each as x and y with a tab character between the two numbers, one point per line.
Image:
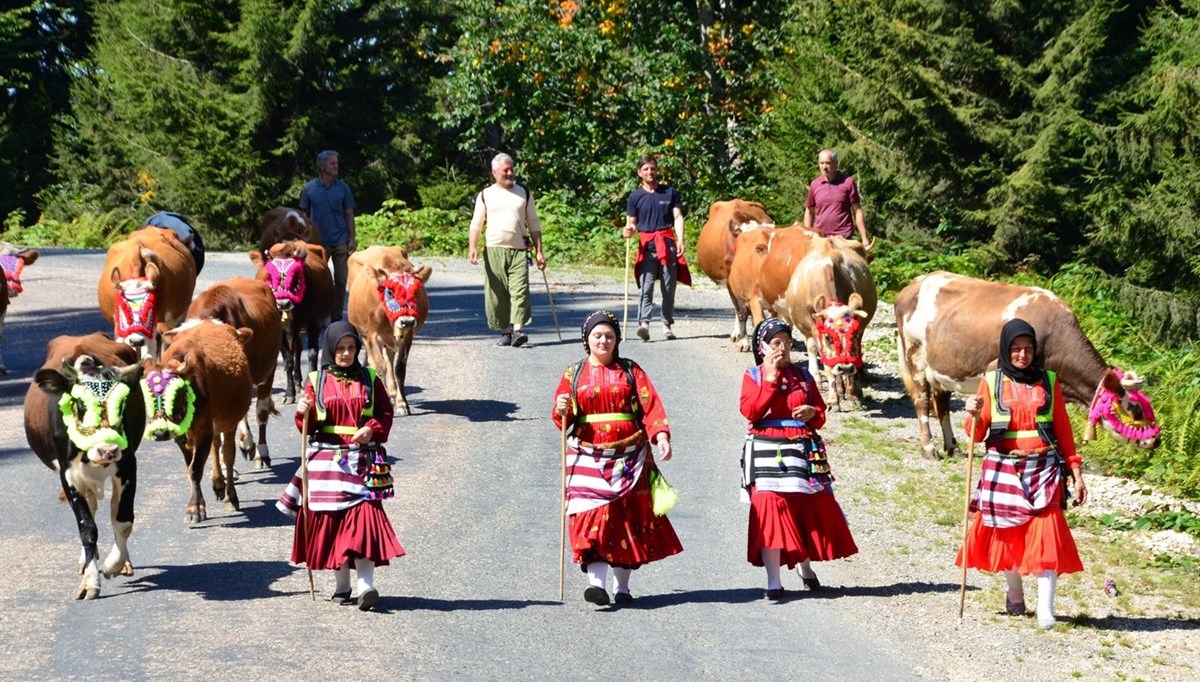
476	508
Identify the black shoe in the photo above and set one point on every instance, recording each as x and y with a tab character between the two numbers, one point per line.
776	594
596	595
643	332
811	583
341	597
519	339
505	339
623	598
367	600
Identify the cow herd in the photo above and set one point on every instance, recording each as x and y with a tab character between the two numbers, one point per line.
189	369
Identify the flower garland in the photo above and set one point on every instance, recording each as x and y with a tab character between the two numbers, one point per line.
12	264
840	334
161	388
90	409
1107	406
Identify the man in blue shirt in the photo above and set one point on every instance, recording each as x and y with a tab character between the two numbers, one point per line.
655	213
327	201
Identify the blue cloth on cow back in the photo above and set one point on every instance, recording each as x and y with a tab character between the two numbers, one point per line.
176	223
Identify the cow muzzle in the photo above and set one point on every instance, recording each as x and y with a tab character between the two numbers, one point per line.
405	322
106	453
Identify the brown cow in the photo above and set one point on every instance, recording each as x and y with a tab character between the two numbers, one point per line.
298	274
830	300
763	263
146	285
198	394
388	305
95	444
245	302
717	244
13	261
283	224
948	328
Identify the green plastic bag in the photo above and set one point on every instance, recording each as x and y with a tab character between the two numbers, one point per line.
662	495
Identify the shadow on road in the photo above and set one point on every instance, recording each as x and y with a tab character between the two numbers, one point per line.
219	581
391	604
739	595
1127	624
474	410
894	590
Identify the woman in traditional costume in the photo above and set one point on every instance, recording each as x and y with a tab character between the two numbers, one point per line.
348	416
794	517
1019	526
614	414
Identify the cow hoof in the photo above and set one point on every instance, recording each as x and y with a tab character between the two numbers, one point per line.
929	453
232	505
124	568
743	345
219	491
197	515
289	399
127	570
261	463
87	593
403	407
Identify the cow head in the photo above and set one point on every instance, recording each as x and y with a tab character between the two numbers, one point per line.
13	260
837	330
170	399
1124	410
284	266
398	294
136	308
92	405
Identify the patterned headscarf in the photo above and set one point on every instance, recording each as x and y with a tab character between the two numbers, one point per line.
335	332
601	317
763	333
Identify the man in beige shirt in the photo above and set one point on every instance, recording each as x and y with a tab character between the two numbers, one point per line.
507	208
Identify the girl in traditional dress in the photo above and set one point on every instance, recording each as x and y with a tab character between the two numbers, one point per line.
1019	526
614	413
794	518
348	416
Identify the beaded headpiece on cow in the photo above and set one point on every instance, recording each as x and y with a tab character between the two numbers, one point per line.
13	264
398	293
1129	416
170	402
286	277
94	408
837	330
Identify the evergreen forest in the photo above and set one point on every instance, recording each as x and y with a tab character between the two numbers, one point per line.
1050	143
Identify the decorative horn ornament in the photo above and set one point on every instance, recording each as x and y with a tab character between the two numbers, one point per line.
836	338
1110	410
161	389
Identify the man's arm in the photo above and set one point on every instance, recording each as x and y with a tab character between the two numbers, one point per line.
860	221
535	232
476	225
678	213
808	217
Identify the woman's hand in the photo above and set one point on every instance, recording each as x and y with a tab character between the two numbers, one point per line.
804	412
973	405
664	446
561	401
362	436
303	405
1081	493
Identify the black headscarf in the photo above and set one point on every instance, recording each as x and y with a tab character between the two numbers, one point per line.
763	333
335	332
1012	329
597	318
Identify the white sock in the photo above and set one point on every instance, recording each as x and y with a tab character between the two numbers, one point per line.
621	575
1047	580
806	570
342	575
770	559
1016	590
365	568
597	573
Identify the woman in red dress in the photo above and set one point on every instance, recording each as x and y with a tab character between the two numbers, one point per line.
348	415
614	414
794	517
1019	526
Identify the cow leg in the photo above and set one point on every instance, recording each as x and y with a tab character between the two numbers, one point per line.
3	369
740	314
404	344
124	485
851	391
89	586
195	460
263	407
217	457
941	406
289	349
314	343
225	458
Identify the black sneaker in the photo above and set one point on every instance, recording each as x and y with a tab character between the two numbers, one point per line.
596	595
775	595
643	332
367	600
506	339
519	339
623	598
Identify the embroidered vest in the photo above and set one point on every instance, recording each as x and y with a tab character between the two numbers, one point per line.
368	411
1001	416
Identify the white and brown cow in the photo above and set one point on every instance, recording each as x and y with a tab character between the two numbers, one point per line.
830	299
146	286
948	329
298	274
83	419
198	395
245	302
13	261
388	305
717	245
282	224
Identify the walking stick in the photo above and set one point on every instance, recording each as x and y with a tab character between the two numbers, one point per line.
962	591
562	513
312	593
553	313
625	317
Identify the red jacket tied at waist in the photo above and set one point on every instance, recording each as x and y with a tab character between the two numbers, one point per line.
660	239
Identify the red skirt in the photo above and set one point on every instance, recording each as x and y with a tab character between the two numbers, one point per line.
1043	544
804	527
359	532
625	532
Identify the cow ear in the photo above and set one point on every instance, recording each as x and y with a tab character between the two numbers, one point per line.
185	365
1112	383
855	301
301	253
819	302
152	272
424	273
129	372
28	255
380	274
115	277
51	381
244	334
256	257
735	228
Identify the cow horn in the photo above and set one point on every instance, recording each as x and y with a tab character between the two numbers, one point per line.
1131	381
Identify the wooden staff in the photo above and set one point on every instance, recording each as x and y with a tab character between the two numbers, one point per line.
962	591
312	593
562	513
625	317
553	313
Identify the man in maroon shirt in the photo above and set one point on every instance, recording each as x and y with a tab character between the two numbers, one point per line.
832	199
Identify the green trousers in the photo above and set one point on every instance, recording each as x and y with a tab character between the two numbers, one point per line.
506	288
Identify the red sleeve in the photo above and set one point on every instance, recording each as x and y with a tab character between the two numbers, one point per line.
312	410
811	201
381	421
756	397
978	431
654	415
1062	430
564	386
853	193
